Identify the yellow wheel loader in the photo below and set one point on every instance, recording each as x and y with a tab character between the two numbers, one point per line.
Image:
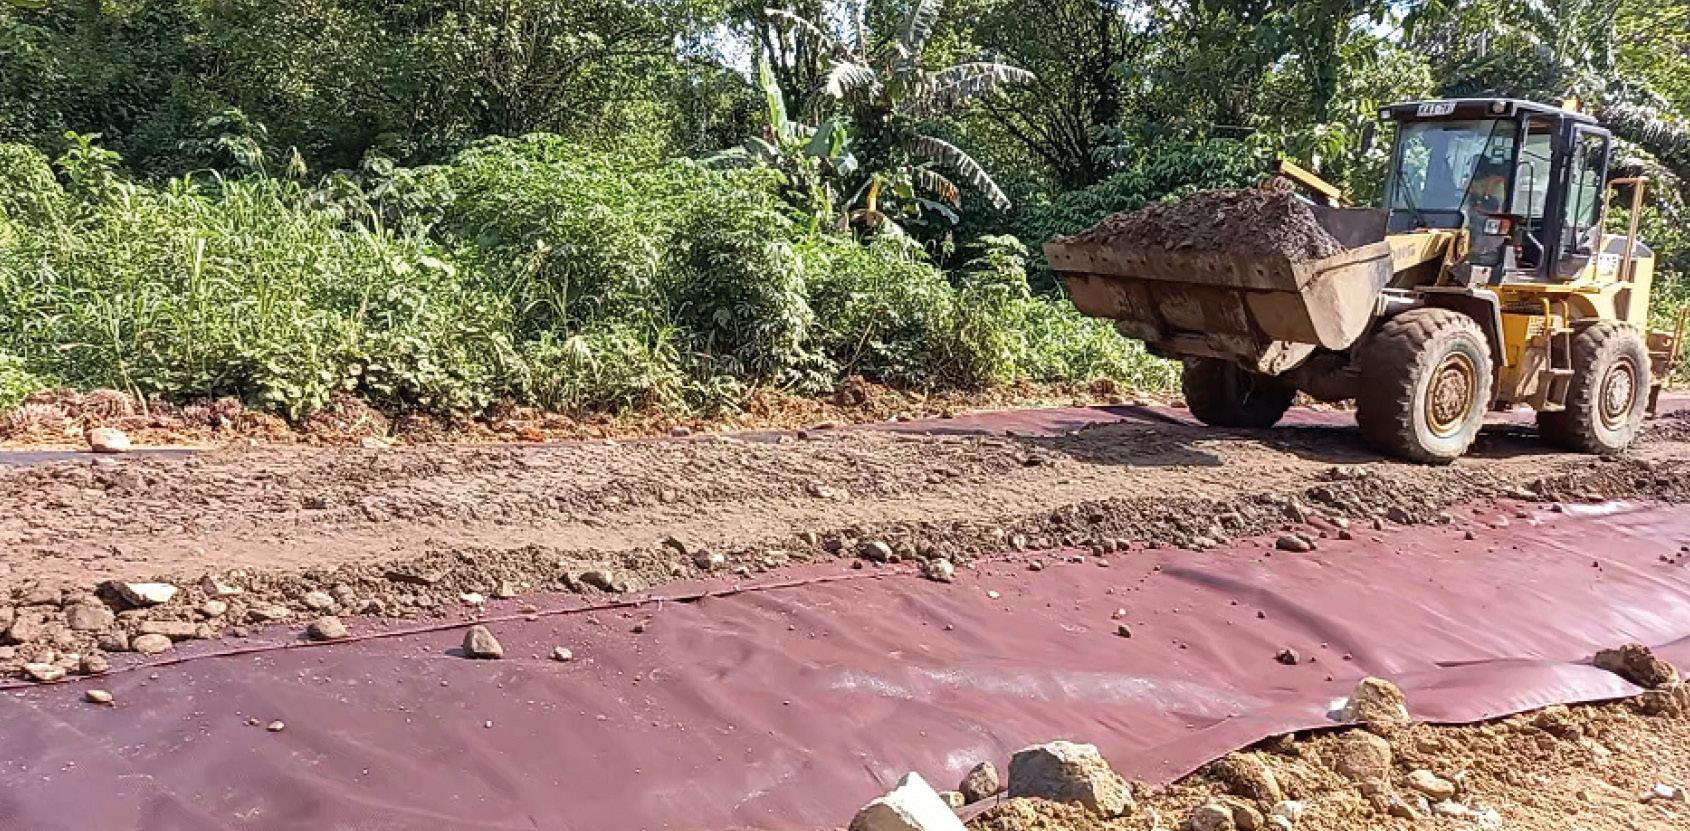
1485	282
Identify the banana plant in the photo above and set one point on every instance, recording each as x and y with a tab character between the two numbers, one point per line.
885	88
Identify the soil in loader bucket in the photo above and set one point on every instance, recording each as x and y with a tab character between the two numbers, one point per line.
1252	222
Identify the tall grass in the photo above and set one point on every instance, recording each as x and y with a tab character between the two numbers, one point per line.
527	270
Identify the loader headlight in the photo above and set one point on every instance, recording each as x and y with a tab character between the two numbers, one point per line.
1496	226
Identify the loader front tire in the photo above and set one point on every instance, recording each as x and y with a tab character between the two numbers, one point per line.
1607	394
1223	394
1426	383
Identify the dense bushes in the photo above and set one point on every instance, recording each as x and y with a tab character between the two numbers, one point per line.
527	269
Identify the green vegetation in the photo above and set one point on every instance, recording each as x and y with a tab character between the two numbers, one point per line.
439	205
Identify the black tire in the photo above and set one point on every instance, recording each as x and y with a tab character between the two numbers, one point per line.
1607	394
1426	379
1222	394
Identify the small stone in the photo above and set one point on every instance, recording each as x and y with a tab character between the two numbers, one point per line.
94	664
953	799
562	654
911	806
480	643
268	614
876	551
472	599
176	630
1375	701
319	601
276	726
1123	631
1360	756
606	581
680	432
641	627
326	628
981	782
1450	808
1293	542
1289	809
43	673
415	576
709	560
141	595
1662	792
216	588
214	608
1433	786
89	617
1288	657
150	644
993	594
1212	816
107	440
1070	772
941	571
97	697
505	590
1246	775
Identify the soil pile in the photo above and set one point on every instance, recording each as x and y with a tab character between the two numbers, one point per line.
1255	221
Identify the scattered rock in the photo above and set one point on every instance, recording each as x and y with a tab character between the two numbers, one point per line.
607	581
1246	816
326	628
1435	788
1288	657
89	617
150	644
1069	772
472	599
1212	816
709	560
1360	756
562	654
214	608
941	571
176	630
876	551
1123	631
319	601
1636	663
480	643
415	577
1295	543
981	782
1662	792
94	664
215	588
1246	775
98	697
953	798
141	595
276	726
43	673
1375	702
268	614
26	627
107	440
505	590
911	806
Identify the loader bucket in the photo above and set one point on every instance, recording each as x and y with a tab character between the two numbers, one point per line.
1265	312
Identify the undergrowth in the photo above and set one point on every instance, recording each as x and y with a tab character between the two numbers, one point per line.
526	270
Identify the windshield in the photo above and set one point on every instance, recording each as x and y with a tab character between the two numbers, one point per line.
1449	166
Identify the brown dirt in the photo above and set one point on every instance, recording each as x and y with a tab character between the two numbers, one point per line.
283	521
1553	770
1252	221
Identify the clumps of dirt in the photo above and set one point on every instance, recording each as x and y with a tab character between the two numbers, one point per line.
1620	765
1248	222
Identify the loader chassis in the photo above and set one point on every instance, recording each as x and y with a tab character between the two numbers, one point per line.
1486	281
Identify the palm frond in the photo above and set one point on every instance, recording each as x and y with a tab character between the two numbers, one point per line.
800	23
919	26
957	85
848	76
949	154
1664	137
935	182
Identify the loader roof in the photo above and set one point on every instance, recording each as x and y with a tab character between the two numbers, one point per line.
1479	108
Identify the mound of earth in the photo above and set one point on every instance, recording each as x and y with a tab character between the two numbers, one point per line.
1253	222
1608	767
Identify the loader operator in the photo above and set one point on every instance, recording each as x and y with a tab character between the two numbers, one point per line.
1487	192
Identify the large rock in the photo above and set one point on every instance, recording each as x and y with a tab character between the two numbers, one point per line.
981	782
144	594
1070	772
1635	663
912	806
1359	756
480	643
107	440
1246	775
1375	702
89	617
150	644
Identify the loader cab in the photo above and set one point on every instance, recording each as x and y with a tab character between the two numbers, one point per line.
1525	180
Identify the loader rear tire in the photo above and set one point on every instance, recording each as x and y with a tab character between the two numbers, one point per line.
1607	394
1426	382
1223	394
